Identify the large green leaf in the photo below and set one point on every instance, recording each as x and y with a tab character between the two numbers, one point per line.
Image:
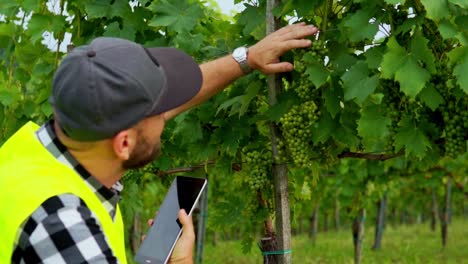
359	26
447	29
421	51
7	29
178	15
324	128
461	72
393	59
436	9
373	123
332	100
461	3
39	24
410	138
404	67
98	8
113	30
315	70
431	97
357	83
188	128
412	77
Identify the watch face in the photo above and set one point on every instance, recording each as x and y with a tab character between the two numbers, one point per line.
240	53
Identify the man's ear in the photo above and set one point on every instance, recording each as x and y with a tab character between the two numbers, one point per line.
123	144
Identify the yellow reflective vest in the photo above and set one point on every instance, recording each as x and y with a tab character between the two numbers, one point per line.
29	175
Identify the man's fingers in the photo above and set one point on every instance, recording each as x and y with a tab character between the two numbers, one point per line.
297	43
297	32
278	67
186	222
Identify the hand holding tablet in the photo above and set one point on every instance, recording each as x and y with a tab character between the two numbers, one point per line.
160	241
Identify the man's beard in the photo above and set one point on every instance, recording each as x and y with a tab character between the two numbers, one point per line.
140	155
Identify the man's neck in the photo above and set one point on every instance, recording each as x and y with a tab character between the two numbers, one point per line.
96	157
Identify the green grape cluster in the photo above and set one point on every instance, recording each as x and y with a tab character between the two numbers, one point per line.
258	164
296	127
282	156
303	87
455	119
393	100
319	49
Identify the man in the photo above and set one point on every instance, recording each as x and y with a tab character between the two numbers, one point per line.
59	184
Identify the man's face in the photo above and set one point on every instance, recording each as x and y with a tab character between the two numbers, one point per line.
148	145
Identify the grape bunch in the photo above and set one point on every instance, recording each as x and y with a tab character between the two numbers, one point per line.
303	87
393	99
296	127
258	165
455	119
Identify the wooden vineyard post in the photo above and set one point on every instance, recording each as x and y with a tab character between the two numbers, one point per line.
380	221
358	234
280	172
444	216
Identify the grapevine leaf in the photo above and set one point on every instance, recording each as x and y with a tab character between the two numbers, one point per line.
98	8
189	42
317	73
39	24
374	57
460	71
411	138
373	123
458	54
412	77
421	51
177	15
393	59
357	83
46	109
431	97
324	128
113	30
462	3
252	91
346	136
447	29
6	97
188	128
332	101
409	24
7	29
359	26
235	101
394	2
436	10
30	5
252	21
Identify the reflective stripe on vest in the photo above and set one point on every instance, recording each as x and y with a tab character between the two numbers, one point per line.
29	175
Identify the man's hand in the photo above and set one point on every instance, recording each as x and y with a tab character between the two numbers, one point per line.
183	250
264	56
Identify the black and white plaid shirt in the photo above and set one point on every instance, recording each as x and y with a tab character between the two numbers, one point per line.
63	229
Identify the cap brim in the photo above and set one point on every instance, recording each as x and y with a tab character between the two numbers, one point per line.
183	78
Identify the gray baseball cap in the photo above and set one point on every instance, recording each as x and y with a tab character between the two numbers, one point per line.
111	84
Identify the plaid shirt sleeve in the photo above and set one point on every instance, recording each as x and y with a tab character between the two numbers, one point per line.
62	230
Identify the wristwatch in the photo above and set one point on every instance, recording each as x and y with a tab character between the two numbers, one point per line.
240	55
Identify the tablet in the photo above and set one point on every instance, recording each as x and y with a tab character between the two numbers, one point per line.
160	240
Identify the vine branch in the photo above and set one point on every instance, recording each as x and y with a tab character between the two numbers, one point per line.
371	156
